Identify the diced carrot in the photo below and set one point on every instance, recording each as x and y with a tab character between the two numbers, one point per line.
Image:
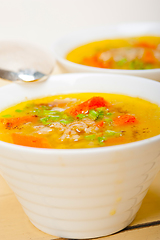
125	119
107	64
115	141
94	61
13	122
100	124
148	56
91	62
145	45
96	102
92	103
29	141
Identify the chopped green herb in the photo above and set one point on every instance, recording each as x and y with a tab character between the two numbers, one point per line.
101	140
118	134
108	113
100	116
109	133
93	114
18	110
90	137
7	116
101	109
65	116
48	123
54	118
70	119
64	121
49	112
121	62
136	64
81	116
108	120
45	107
148	66
44	120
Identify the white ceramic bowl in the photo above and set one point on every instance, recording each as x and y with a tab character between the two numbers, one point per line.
81	193
64	45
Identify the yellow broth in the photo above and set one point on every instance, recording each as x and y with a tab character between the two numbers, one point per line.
136	53
51	122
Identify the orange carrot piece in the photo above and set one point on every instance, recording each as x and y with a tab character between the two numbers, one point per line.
92	61
13	122
107	64
100	124
95	61
148	56
125	119
96	102
92	103
145	45
30	141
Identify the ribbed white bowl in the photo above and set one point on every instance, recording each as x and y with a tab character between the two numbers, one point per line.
81	193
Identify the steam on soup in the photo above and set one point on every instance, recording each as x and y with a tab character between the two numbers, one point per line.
139	53
82	120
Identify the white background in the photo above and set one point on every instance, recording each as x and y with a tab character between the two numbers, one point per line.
44	21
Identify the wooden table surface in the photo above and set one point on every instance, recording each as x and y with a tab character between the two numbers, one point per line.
15	225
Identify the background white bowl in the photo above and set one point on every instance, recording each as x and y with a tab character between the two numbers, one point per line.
81	193
64	45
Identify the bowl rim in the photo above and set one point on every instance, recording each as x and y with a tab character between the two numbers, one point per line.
63	60
33	150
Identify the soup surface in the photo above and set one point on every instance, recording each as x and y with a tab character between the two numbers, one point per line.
82	120
136	53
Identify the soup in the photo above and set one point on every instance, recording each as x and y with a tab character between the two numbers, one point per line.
81	120
138	53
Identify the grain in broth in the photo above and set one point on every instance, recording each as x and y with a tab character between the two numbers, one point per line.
80	120
134	53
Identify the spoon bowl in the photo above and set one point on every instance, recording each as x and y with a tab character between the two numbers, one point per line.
24	62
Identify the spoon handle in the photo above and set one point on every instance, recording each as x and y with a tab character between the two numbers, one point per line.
9	75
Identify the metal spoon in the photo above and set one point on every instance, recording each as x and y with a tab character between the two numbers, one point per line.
24	62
